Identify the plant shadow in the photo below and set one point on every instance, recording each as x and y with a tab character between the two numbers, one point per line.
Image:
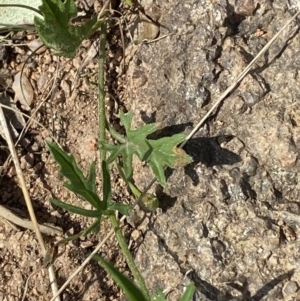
206	150
203	288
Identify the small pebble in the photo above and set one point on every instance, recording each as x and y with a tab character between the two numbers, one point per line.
245	8
30	159
290	287
34	147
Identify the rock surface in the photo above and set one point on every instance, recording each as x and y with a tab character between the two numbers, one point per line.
218	224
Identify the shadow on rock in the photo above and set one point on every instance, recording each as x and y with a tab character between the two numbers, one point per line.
165	201
208	152
203	288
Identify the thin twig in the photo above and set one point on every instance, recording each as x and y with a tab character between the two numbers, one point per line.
21	178
29	117
16	27
9	215
102	11
27	282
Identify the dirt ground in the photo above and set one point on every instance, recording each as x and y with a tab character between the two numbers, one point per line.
229	221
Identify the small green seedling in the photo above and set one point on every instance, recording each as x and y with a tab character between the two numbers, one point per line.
86	188
157	153
64	38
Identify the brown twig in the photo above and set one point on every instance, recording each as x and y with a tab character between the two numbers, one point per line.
10	216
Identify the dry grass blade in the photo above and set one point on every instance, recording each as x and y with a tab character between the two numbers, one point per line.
28	116
103	9
15	159
21	6
123	46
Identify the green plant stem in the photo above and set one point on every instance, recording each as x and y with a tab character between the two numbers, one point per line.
101	112
102	138
128	257
132	187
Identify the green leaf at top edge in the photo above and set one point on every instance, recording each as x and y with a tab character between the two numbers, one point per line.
56	30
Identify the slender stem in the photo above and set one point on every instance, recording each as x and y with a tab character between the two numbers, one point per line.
102	43
137	193
102	138
128	257
22	6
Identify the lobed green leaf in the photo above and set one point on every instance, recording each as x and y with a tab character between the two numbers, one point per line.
157	153
164	153
56	30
